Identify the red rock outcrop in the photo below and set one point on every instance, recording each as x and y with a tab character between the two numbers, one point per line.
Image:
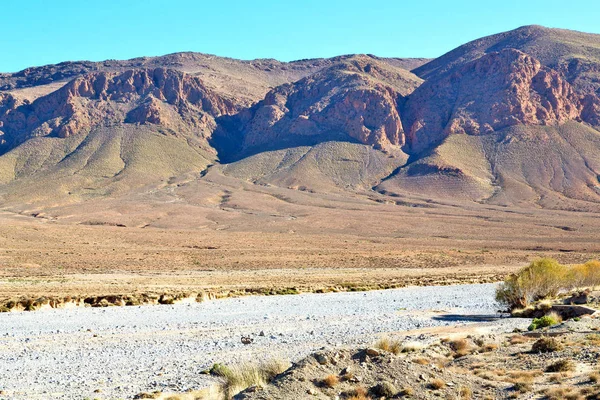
493	92
350	100
144	96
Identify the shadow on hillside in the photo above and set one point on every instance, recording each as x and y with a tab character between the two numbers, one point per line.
228	140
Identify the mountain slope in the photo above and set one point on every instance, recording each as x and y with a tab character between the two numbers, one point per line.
357	100
509	120
243	82
574	54
490	93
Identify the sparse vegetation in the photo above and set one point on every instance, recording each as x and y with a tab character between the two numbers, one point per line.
407	391
523	387
460	347
561	366
358	393
389	345
546	345
242	376
330	381
563	393
545	278
437	384
384	389
465	393
548	320
409	347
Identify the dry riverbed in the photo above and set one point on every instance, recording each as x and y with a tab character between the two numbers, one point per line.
114	353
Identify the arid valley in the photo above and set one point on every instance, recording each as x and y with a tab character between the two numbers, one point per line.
380	227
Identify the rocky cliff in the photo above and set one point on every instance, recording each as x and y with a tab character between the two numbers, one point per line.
158	96
489	94
357	100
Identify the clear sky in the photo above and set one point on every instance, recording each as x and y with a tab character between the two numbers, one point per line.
38	32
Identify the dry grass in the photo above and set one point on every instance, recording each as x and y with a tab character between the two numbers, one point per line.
359	393
523	376
437	384
523	387
563	393
593	339
519	339
488	347
594	377
421	361
330	381
459	344
407	391
465	393
273	367
546	345
561	366
389	345
242	376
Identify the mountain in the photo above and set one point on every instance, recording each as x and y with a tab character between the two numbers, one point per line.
509	120
576	55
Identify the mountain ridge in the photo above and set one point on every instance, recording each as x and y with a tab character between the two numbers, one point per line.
356	123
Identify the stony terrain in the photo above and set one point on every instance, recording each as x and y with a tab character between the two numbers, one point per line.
560	363
121	351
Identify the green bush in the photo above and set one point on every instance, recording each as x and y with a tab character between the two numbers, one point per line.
545	278
544	322
541	279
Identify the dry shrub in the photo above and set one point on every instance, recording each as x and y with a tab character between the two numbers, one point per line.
545	278
409	347
488	347
519	339
459	344
563	393
593	339
586	275
523	376
594	377
242	376
330	381
407	391
563	365
437	384
384	389
559	377
523	387
465	393
541	279
358	393
460	347
421	361
546	345
389	345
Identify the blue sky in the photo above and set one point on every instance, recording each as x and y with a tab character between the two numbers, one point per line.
38	32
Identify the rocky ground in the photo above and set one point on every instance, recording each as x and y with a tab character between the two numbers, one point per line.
117	352
557	363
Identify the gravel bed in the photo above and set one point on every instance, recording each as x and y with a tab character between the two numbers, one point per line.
122	351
